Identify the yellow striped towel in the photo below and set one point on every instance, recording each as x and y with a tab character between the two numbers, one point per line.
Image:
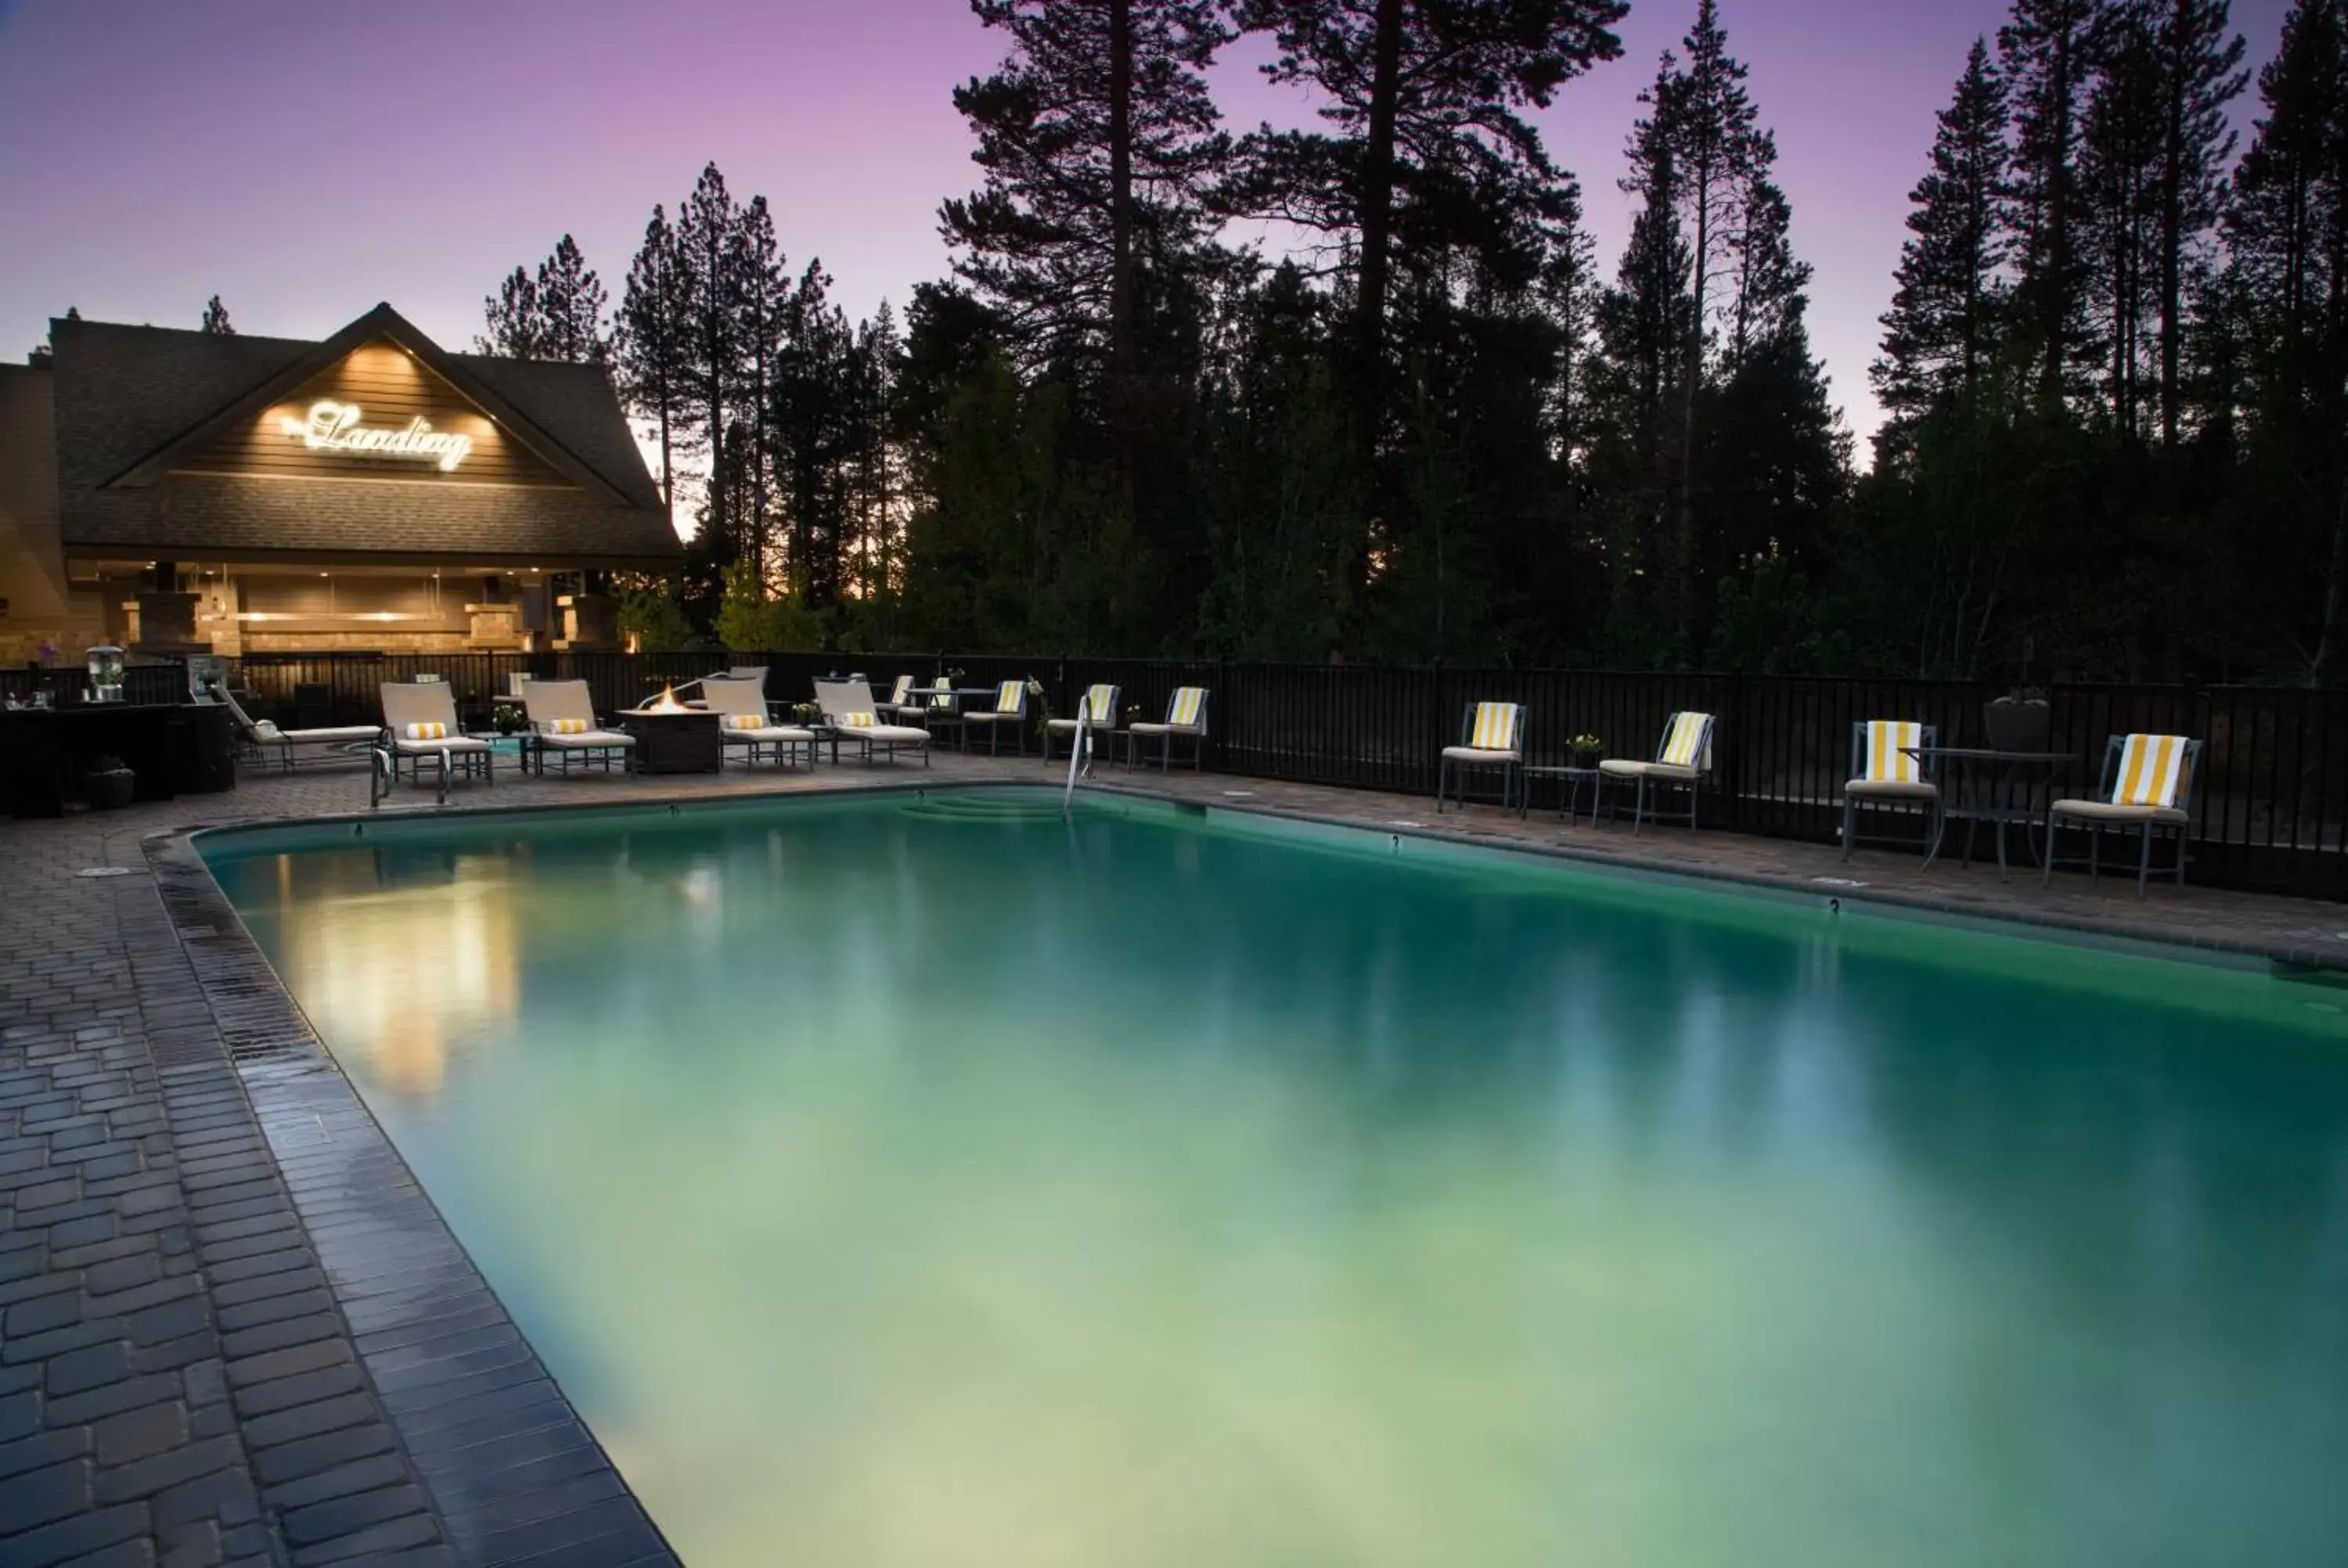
2150	766
428	731
1099	700
746	720
1683	747
855	721
566	726
1187	702
1496	727
1010	696
1888	759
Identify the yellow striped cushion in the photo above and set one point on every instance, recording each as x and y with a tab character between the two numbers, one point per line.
1186	702
1885	762
1496	727
856	720
746	720
1099	701
428	731
1684	747
942	694
2150	766
566	726
902	689
1009	696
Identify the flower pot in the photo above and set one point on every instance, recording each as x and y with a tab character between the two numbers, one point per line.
2017	726
1587	759
110	790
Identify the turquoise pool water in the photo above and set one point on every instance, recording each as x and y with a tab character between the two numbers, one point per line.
935	1185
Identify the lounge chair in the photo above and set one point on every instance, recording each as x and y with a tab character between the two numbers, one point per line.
263	736
1682	758
743	719
1886	770
1186	715
1099	709
1010	712
419	723
847	707
2147	784
936	711
562	721
1491	735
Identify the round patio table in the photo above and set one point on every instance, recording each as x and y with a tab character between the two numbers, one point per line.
1978	785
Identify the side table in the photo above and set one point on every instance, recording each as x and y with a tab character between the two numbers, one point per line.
1574	775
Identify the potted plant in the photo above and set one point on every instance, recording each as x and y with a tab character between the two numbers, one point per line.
506	719
2020	720
1039	707
108	784
1585	751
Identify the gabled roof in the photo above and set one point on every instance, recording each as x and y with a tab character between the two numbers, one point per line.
381	324
134	403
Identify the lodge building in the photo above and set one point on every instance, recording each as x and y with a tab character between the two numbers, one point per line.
182	491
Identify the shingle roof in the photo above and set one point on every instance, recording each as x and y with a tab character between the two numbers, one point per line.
128	396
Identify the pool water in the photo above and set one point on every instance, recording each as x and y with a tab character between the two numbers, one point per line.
895	1183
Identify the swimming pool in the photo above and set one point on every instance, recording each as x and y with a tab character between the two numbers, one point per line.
897	1181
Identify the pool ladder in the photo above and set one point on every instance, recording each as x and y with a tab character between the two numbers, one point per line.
1079	755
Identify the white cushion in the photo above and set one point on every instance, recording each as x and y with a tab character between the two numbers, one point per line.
885	734
2105	811
1625	768
1478	754
433	748
586	739
1151	727
1893	789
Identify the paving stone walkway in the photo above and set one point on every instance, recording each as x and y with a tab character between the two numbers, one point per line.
232	1330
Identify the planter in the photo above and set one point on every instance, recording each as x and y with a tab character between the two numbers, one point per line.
1588	759
2017	726
110	790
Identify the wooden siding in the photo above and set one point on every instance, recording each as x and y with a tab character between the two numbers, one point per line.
390	387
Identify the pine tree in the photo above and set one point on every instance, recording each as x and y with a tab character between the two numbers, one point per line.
2288	233
761	303
2199	75
571	303
216	320
2117	188
707	248
2048	54
512	317
1939	333
652	360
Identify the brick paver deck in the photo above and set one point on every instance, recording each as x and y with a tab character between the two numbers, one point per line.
232	1329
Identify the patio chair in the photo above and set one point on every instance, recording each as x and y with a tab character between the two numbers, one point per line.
1010	712
419	722
1099	709
1683	759
1186	715
562	721
740	704
263	736
847	707
2147	784
1885	771
1491	735
937	711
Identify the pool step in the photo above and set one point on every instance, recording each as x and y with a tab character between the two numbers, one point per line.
983	809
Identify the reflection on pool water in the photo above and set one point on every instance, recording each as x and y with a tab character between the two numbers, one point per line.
946	1185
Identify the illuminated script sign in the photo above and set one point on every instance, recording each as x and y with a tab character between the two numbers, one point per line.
332	427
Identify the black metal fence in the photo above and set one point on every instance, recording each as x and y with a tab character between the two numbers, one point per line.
2269	808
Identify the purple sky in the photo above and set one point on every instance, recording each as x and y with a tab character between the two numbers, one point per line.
307	160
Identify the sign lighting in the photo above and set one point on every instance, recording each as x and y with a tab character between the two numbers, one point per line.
332	427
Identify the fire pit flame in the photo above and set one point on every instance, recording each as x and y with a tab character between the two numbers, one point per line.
665	703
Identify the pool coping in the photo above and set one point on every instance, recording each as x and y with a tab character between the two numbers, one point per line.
511	1468
506	1460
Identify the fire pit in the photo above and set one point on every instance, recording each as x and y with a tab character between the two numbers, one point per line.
672	738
